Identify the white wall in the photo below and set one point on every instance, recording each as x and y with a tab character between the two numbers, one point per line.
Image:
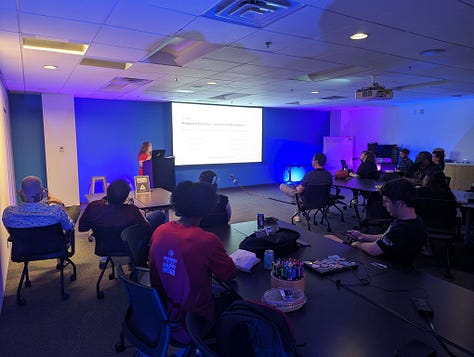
60	147
417	126
7	184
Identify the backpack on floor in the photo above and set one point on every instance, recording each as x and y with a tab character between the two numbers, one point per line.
253	329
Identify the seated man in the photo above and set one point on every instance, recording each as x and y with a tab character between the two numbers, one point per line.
422	168
220	214
112	211
38	208
318	176
405	161
404	238
183	256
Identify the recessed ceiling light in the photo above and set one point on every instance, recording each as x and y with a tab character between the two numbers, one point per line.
432	52
212	83
50	66
314	92
359	36
55	46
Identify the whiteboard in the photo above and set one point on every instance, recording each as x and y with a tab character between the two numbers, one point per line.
337	148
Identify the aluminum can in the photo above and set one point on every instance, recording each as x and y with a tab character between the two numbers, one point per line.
260	220
268	259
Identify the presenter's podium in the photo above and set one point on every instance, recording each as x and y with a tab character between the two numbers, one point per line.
161	172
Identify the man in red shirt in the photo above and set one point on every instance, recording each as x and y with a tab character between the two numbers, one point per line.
183	256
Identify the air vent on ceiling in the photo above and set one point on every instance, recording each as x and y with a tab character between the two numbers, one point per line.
229	96
337	72
256	13
333	97
120	84
177	51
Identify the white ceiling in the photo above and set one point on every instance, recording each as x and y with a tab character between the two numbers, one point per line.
314	40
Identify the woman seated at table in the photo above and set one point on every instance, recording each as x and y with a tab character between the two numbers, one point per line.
367	168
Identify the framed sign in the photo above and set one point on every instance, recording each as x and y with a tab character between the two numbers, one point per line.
142	184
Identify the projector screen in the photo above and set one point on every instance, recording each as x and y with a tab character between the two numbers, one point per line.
216	134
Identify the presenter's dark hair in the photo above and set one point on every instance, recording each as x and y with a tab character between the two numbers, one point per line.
405	151
194	199
400	190
321	158
117	192
424	155
144	147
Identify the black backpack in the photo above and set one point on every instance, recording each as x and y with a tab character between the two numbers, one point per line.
282	243
253	329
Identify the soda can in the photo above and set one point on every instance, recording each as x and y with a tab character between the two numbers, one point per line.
260	220
268	259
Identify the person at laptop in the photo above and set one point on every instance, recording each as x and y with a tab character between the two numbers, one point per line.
220	214
143	155
405	236
318	176
183	257
367	168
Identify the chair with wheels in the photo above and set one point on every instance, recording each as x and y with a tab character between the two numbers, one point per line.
442	224
146	323
138	239
108	244
337	199
317	198
205	346
42	243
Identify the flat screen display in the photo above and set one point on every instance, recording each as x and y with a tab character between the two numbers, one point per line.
216	134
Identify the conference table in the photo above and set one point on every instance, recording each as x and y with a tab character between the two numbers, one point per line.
157	198
364	312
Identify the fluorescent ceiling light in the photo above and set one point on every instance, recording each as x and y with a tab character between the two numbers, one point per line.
359	36
55	46
105	64
212	83
50	66
314	92
184	91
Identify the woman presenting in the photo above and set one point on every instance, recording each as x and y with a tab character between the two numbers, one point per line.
143	155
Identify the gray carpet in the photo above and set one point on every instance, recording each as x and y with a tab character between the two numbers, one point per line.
84	326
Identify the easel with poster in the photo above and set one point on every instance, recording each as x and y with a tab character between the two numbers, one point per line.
142	185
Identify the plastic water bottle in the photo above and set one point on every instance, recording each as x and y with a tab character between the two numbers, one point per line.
268	259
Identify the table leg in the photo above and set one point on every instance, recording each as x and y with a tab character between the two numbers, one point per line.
467	228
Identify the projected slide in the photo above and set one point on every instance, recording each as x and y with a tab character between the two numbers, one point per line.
215	134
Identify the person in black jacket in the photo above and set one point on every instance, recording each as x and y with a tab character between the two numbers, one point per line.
221	213
367	168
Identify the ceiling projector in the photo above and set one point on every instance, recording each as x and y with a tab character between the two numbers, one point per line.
374	91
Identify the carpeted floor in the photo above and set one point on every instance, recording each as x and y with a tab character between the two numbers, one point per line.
84	326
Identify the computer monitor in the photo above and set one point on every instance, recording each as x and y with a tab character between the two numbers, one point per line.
158	153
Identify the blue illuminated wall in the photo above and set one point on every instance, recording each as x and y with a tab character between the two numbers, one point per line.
26	119
109	134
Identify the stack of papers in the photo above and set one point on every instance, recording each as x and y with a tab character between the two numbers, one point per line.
244	260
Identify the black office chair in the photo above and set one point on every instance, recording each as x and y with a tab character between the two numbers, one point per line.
41	243
137	238
146	323
337	199
315	197
206	346
108	243
442	224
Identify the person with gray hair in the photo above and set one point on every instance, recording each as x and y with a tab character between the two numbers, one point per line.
39	208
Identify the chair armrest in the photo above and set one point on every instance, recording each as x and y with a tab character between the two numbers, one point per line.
70	238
